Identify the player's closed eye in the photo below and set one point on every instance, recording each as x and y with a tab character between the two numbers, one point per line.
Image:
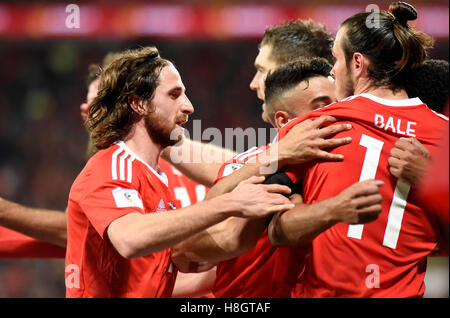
174	94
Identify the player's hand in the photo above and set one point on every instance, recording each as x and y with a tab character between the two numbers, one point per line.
251	199
409	160
360	203
308	140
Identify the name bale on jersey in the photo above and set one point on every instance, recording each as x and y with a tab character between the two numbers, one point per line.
395	125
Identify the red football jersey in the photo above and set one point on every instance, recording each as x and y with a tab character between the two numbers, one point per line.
387	257
184	190
16	245
263	272
115	182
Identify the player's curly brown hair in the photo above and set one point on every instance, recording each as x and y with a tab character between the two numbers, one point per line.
132	74
298	39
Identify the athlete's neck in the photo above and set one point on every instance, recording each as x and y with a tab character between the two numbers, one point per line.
382	92
142	145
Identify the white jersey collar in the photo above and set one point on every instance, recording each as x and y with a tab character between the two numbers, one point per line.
160	174
393	102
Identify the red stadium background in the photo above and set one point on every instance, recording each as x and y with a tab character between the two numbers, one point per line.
213	43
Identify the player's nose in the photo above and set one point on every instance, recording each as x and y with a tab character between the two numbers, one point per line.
254	84
187	106
332	73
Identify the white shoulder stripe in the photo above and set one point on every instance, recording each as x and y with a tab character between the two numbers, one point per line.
242	154
122	166
130	169
440	115
251	154
114	163
162	176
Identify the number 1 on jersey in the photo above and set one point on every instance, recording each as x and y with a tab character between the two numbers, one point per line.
369	170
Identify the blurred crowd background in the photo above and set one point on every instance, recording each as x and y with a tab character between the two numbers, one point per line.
42	84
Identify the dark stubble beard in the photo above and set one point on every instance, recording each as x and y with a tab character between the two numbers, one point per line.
349	87
160	130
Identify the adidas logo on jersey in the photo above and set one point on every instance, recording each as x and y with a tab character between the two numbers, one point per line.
161	206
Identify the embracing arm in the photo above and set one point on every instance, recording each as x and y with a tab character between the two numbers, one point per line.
304	142
357	204
137	234
409	160
49	226
225	240
197	161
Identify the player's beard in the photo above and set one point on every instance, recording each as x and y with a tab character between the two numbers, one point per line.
347	86
162	131
264	115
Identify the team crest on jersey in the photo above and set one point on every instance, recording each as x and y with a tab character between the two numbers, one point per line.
171	206
127	198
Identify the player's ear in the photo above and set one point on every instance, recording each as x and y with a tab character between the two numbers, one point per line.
137	104
359	64
281	118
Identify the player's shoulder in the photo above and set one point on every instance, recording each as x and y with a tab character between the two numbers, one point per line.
116	163
438	116
113	163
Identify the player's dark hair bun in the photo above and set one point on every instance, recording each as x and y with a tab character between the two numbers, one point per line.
403	12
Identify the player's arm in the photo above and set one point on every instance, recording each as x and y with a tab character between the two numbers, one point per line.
360	203
409	160
226	240
220	242
48	226
198	161
136	234
305	142
188	285
17	245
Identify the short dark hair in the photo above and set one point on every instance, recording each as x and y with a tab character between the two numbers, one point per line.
289	76
298	39
430	83
391	45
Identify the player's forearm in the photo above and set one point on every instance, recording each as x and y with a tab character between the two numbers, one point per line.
302	224
198	161
135	234
190	285
45	225
223	241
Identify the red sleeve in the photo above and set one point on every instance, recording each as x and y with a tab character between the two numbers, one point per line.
17	245
109	201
